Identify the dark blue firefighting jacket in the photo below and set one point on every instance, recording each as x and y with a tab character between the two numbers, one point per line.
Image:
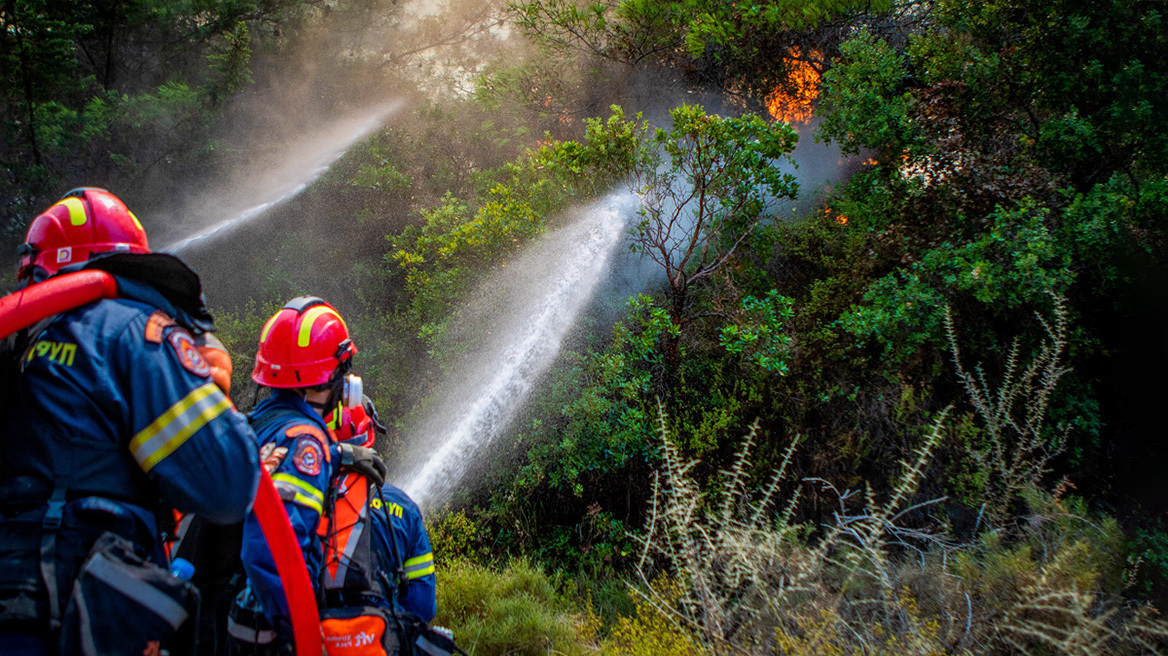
113	416
392	562
294	446
393	509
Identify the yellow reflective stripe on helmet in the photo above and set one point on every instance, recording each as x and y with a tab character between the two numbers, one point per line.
309	318
419	566
267	327
303	493
175	426
76	209
135	219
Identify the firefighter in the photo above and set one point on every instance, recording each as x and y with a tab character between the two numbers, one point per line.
304	357
112	419
394	568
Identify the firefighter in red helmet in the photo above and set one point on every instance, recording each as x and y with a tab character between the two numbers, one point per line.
85	222
305	356
111	419
394	568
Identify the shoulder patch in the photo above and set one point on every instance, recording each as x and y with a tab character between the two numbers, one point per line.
309	457
305	429
188	354
308	430
155	325
271	456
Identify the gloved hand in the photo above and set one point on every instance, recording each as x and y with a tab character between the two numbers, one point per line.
363	461
215	353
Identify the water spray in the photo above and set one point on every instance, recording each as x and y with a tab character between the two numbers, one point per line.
494	384
300	165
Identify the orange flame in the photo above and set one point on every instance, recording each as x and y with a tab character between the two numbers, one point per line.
794	103
839	218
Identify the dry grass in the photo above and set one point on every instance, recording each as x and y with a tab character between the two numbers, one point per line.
750	581
1019	445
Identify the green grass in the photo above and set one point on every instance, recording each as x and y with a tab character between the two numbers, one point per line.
514	610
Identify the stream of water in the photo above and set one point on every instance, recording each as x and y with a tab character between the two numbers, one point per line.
510	332
519	320
275	180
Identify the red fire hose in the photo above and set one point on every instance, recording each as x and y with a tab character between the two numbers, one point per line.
65	292
53	296
273	520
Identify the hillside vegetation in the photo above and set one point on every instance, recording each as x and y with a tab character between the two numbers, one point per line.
922	417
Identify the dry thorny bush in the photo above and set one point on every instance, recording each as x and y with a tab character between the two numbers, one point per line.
754	582
1019	447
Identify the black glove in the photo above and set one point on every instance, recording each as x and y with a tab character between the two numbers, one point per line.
363	461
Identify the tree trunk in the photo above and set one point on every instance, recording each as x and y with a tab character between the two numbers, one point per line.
111	29
26	77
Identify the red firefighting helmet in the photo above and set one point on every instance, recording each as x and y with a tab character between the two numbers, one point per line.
302	345
85	221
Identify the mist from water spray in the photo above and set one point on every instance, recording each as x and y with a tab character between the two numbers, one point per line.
525	313
273	180
530	306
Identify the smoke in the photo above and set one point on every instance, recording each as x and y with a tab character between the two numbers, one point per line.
322	81
329	86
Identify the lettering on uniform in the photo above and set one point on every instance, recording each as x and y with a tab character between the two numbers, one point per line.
59	352
390	508
308	458
271	456
188	354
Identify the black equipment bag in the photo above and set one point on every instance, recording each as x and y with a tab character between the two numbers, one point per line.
122	603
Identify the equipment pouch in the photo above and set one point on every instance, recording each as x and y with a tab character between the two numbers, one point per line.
371	631
123	604
360	631
249	632
426	640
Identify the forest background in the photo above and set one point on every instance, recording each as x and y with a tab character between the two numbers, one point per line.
915	412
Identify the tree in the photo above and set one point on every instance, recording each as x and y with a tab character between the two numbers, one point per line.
706	190
94	91
744	46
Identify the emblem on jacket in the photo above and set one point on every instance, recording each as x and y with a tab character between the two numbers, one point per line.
308	456
188	354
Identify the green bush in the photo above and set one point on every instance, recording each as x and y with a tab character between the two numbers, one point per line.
515	610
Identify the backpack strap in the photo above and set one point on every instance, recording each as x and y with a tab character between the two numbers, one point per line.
50	526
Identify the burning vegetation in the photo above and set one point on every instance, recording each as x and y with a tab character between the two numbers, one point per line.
794	100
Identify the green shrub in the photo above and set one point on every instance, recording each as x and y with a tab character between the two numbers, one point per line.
515	610
650	632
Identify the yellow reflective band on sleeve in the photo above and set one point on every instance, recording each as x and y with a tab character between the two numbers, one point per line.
76	210
175	426
304	494
419	566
